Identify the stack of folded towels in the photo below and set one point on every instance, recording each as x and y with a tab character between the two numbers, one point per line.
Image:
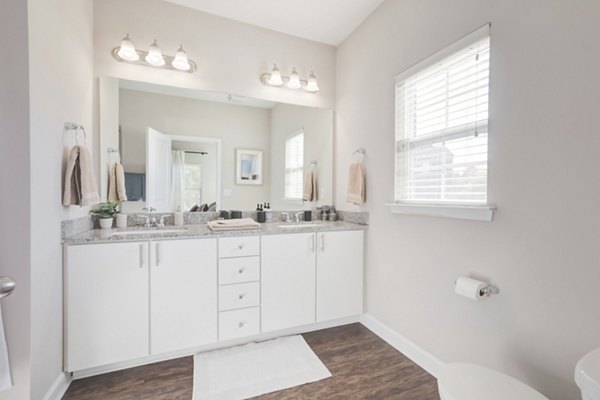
233	224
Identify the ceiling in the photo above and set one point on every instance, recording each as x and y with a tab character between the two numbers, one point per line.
325	21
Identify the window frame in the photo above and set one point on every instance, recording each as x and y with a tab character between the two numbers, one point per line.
452	209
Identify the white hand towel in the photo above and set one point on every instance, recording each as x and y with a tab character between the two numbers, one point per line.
356	184
5	380
310	187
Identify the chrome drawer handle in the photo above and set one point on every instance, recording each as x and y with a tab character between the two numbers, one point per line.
241	296
241	324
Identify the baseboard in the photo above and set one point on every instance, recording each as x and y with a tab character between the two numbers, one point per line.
59	387
417	354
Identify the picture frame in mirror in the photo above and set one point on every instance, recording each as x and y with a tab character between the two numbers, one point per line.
249	168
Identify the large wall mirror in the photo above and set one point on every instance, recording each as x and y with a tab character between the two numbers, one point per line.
203	151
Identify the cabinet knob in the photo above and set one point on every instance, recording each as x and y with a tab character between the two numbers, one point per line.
241	324
241	296
241	246
241	271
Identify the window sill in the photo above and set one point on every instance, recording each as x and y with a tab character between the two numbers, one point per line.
472	213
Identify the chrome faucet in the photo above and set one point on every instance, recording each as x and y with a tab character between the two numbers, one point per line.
287	216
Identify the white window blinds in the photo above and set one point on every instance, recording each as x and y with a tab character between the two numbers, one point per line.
294	166
442	126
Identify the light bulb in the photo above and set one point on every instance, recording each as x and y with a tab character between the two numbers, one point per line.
180	61
311	85
275	77
127	50
154	56
294	82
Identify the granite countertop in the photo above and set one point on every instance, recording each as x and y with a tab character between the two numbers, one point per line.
202	231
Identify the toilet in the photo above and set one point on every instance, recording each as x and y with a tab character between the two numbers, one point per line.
587	375
463	381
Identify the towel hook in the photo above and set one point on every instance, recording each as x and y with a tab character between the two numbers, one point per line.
72	126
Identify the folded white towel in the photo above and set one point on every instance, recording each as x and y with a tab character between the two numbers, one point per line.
81	188
233	224
5	381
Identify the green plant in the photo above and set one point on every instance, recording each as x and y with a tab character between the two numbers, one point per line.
107	209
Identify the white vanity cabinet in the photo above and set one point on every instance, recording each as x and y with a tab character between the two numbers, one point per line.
183	294
288	280
130	300
339	274
106	304
311	277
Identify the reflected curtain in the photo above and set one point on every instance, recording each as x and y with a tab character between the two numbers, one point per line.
177	179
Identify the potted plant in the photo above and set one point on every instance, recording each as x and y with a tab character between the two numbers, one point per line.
105	213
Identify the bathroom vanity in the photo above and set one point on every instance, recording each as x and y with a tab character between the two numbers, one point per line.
132	299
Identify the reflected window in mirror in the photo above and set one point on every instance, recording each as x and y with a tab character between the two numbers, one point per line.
294	166
192	185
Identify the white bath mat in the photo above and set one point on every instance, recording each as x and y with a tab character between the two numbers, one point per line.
256	368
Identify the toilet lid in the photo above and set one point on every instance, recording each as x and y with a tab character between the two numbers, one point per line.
587	374
462	381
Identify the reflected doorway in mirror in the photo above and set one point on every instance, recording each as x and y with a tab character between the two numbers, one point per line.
249	167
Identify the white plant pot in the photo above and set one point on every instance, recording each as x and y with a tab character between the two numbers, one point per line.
106	223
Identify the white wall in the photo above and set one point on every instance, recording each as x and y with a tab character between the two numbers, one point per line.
61	89
236	126
544	150
230	55
14	179
317	124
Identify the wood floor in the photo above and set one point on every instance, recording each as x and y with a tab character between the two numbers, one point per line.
363	367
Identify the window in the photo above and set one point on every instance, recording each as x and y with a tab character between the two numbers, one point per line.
294	166
192	190
442	126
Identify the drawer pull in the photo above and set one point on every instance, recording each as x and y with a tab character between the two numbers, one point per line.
241	296
241	270
241	246
241	324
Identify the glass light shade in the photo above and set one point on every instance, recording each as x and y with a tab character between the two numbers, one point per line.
294	82
181	61
311	85
127	50
154	56
275	78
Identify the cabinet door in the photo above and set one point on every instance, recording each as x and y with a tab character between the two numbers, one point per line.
183	294
106	304
339	274
287	280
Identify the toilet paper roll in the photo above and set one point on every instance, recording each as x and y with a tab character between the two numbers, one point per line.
470	288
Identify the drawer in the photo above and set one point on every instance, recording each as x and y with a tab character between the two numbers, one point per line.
239	270
242	295
239	246
239	323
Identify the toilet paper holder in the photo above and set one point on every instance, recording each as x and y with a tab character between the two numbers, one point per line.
489	290
484	290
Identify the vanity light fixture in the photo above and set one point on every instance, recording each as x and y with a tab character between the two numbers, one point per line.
153	57
293	81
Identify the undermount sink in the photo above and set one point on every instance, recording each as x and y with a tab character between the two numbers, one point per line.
299	225
147	232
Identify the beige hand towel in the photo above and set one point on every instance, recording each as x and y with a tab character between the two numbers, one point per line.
233	224
116	183
310	187
356	184
80	181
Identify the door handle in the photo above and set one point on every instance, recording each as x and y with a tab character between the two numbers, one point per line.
158	254
142	255
7	285
312	243
322	242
